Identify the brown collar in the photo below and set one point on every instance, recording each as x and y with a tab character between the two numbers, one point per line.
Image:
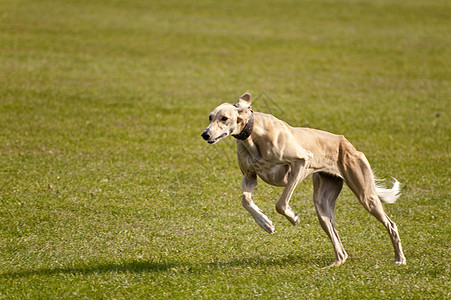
247	130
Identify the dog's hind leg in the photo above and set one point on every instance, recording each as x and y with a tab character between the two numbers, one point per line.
360	179
326	189
248	185
374	206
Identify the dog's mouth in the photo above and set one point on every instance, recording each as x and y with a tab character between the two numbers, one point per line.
213	141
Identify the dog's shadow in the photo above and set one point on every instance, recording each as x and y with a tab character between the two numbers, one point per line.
161	267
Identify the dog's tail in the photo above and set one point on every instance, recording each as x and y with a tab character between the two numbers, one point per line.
388	195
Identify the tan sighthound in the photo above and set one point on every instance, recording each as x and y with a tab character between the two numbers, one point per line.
282	155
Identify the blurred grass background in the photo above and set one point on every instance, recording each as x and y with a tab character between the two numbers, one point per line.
108	191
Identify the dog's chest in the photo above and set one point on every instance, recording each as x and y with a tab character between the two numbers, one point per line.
268	168
271	173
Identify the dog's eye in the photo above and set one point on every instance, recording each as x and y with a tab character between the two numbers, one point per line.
224	119
210	118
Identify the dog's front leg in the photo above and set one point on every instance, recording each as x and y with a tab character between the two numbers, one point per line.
298	173
248	185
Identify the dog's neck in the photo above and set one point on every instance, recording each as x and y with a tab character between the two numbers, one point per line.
247	130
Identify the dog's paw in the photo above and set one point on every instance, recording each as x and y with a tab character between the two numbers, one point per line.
400	262
336	263
269	228
296	220
264	222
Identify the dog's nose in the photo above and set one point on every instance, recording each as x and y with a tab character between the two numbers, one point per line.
205	135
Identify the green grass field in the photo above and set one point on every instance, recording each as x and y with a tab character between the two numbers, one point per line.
107	190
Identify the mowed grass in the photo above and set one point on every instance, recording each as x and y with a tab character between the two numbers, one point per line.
107	190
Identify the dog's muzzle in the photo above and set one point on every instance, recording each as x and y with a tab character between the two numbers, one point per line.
205	135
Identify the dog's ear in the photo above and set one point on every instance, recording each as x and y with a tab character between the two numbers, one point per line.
245	100
243	105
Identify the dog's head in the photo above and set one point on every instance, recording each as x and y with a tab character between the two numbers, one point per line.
228	119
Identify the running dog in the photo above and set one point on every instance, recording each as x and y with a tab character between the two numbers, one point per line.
282	155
